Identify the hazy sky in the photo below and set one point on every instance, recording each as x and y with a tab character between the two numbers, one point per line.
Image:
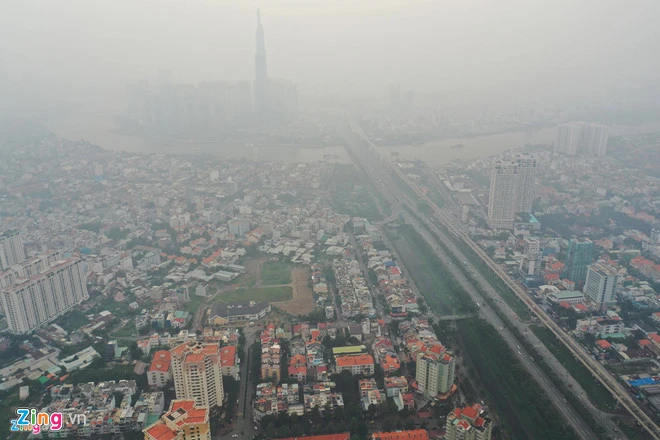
53	47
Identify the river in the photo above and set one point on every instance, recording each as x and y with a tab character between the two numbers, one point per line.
437	153
440	152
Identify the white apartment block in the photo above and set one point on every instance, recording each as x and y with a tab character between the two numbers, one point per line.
435	373
581	138
600	286
39	297
511	190
12	250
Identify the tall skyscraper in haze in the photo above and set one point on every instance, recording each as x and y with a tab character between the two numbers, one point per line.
11	249
395	95
511	190
579	256
581	138
260	71
525	190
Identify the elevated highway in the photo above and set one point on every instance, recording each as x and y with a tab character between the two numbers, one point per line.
619	392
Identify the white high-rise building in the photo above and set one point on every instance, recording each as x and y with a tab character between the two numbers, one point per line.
42	296
435	372
197	373
525	189
531	260
511	190
12	250
581	138
600	286
567	139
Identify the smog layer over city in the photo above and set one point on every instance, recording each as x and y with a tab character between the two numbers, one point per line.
330	220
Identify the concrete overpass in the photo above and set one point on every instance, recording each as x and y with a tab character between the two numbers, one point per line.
619	392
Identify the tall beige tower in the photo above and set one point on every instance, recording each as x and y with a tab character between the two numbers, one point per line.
197	373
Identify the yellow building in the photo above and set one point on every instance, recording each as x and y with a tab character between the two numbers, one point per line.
184	421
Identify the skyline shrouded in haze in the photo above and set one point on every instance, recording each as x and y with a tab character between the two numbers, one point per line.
54	51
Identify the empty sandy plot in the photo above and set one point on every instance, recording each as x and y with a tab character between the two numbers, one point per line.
302	302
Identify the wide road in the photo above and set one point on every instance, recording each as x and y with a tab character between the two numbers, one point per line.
390	191
243	428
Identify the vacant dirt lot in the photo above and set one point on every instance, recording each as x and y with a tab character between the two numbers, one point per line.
302	302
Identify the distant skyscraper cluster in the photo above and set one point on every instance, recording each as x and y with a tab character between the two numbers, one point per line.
399	98
582	138
511	190
211	109
40	289
206	109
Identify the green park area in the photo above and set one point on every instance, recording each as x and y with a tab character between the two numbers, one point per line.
598	394
258	294
442	292
275	272
524	409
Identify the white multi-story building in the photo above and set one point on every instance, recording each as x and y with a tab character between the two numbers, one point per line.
197	373
582	138
511	190
530	264
238	227
159	373
12	250
43	296
600	286
525	189
435	373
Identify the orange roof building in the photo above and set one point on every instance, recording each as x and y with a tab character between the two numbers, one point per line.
183	421
603	344
416	434
342	436
355	364
159	373
229	361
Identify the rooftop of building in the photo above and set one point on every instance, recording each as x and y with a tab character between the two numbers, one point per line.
161	361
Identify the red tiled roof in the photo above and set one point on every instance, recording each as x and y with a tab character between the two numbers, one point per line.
343	436
417	434
186	405
602	343
362	359
161	361
160	431
228	356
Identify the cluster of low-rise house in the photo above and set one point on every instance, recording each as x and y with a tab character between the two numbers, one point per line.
105	408
389	277
354	294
